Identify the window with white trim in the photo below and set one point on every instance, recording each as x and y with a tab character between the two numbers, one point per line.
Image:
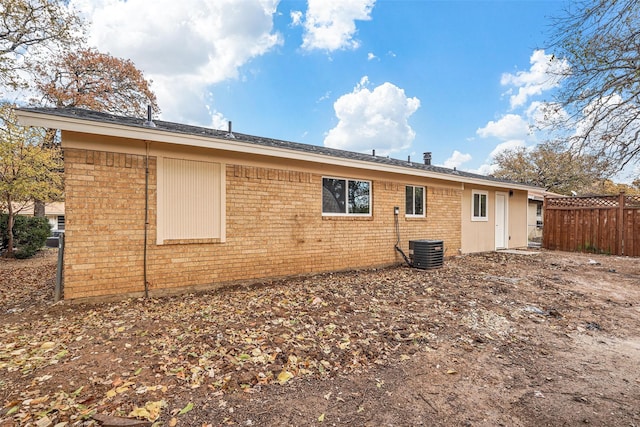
346	196
415	201
479	201
60	223
190	201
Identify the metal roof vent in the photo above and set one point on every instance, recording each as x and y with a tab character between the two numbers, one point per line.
230	134
149	123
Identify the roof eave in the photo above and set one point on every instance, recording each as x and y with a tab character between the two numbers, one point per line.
81	125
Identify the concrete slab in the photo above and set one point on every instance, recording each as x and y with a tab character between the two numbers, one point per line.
518	252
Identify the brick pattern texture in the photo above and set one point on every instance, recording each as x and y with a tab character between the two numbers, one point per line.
274	228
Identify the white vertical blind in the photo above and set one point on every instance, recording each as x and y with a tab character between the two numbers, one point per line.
189	199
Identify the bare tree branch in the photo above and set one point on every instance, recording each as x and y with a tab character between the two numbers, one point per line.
600	94
26	25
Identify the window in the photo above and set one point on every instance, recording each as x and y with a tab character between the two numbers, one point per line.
61	223
539	209
414	200
190	201
479	205
346	197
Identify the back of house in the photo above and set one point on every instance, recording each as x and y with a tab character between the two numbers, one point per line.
156	208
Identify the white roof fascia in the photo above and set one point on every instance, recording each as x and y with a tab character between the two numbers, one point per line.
29	118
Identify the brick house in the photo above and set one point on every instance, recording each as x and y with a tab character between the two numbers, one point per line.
163	207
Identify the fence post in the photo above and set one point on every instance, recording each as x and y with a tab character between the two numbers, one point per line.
544	223
621	223
57	294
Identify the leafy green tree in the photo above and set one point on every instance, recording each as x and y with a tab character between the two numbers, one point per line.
599	102
29	234
551	166
27	168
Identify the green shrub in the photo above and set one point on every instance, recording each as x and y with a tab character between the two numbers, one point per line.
29	234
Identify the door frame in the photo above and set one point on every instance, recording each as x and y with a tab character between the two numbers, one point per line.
505	220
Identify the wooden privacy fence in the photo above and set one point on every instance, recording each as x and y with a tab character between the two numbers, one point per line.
601	224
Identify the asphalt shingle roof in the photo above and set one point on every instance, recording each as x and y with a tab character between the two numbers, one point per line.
178	128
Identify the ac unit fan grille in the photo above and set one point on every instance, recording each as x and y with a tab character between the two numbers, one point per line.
426	254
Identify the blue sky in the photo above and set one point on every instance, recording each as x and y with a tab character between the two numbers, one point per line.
461	79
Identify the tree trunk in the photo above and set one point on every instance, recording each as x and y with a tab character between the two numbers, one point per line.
10	221
49	142
38	208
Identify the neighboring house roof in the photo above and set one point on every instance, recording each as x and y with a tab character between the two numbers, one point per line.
87	121
540	193
53	208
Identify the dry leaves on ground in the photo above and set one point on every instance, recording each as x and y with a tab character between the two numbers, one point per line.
154	359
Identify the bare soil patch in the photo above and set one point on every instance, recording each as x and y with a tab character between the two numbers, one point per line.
550	339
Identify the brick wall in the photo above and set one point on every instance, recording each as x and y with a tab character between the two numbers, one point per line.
104	212
274	228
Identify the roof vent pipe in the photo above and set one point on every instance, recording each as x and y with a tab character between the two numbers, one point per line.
373	152
230	134
427	158
149	122
409	159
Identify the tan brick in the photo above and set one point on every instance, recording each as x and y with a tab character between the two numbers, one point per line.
274	228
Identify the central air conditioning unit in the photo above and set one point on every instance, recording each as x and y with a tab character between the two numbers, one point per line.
426	254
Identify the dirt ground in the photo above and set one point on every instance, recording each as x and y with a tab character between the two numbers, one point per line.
547	339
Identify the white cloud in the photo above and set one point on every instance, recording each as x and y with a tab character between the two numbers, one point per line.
330	24
296	18
324	97
371	56
546	115
490	166
507	145
373	119
485	169
218	120
457	159
183	46
509	126
543	75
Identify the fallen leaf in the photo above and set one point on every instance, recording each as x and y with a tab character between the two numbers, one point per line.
155	408
38	400
173	422
452	372
111	421
150	411
284	376
140	413
186	408
321	417
44	422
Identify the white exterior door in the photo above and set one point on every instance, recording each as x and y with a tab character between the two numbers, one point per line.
501	220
